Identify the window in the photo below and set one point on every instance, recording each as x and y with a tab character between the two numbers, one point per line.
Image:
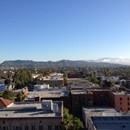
120	103
128	108
128	103
120	98
33	127
57	127
17	128
49	127
5	128
20	127
13	127
128	98
40	127
26	127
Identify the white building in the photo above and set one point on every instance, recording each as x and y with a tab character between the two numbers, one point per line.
41	87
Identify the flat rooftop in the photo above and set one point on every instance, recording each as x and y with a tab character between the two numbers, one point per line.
33	110
45	94
74	92
111	123
121	93
107	118
103	112
87	90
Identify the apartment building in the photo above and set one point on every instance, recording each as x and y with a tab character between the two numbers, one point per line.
120	100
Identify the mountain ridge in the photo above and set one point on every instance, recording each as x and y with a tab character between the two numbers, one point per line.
60	63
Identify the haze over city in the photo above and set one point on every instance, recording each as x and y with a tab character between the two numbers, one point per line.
71	29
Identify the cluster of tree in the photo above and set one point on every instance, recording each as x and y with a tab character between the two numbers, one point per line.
106	84
21	78
92	78
71	122
20	96
8	81
4	74
8	94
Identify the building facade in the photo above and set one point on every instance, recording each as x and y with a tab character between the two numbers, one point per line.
46	115
120	101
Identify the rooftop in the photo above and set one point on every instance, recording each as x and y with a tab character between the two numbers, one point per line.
54	93
87	90
54	77
111	123
121	93
106	119
74	92
33	110
5	102
103	112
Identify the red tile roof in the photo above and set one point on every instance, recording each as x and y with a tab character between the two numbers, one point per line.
4	102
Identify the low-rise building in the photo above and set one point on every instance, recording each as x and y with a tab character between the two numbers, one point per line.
105	119
87	98
55	94
45	115
120	100
38	87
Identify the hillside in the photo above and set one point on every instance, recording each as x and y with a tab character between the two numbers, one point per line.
50	64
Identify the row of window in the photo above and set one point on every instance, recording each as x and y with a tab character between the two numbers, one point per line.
28	128
127	108
127	103
127	98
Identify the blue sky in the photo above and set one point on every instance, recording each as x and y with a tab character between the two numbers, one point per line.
45	30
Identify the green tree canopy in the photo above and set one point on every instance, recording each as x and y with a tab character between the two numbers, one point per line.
7	81
71	122
22	77
20	96
8	94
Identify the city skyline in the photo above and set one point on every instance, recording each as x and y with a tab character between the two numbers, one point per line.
71	30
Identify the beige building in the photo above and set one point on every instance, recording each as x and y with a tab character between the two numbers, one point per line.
46	115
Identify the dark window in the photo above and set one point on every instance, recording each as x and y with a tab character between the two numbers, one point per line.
120	98
40	127
13	127
128	103
128	108
57	127
49	127
120	103
26	127
4	128
33	127
128	98
17	128
20	127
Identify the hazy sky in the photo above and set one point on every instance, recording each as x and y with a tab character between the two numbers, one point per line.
64	29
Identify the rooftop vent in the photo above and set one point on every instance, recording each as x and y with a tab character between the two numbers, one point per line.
55	107
47	105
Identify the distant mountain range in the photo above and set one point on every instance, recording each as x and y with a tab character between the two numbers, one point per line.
104	62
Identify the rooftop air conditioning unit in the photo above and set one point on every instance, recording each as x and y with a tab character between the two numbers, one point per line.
55	107
47	105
